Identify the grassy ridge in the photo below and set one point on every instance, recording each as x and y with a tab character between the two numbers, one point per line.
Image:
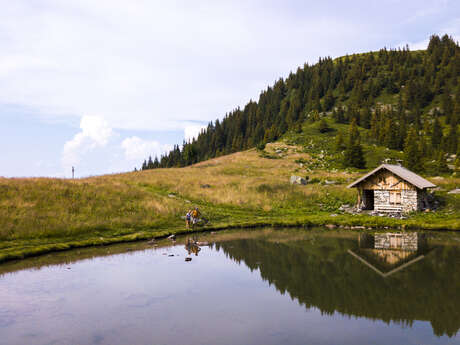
248	188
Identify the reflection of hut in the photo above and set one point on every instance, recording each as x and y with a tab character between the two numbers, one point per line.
390	252
392	188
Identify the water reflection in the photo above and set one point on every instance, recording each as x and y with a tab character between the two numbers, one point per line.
135	293
415	282
191	246
390	252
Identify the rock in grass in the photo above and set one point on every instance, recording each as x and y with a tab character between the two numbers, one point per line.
172	237
454	191
298	180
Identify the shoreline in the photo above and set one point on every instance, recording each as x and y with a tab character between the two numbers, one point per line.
19	252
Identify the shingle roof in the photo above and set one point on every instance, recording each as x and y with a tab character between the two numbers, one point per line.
400	171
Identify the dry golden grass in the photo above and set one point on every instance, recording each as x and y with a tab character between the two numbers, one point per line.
238	183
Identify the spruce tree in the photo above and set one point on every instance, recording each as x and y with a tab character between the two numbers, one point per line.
436	135
412	156
150	163
323	126
354	156
451	140
441	163
339	142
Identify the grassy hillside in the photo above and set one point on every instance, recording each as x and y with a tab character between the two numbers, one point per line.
407	100
247	188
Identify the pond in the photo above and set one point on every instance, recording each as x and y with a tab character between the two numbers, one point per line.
261	286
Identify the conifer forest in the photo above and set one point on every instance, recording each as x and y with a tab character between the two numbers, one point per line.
405	100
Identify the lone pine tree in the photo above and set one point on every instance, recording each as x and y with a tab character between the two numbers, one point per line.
354	156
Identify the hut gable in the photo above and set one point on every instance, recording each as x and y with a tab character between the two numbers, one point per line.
392	188
402	173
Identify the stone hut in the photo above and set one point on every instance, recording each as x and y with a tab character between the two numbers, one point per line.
392	188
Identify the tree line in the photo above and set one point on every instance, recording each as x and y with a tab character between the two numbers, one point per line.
407	100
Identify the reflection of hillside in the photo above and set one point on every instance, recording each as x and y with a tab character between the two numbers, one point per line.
322	274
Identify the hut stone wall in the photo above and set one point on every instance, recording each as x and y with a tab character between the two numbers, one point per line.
410	201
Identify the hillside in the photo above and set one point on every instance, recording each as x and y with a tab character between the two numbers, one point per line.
408	100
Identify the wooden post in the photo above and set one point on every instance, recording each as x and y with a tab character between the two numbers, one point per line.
359	197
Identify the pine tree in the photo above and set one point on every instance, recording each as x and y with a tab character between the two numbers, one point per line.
328	100
323	126
436	135
451	140
412	156
339	142
354	156
441	163
150	163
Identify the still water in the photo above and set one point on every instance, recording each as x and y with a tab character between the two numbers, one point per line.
243	287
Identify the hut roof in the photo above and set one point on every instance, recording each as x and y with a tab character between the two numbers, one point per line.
400	171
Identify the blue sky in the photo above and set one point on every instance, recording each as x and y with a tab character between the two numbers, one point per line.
100	85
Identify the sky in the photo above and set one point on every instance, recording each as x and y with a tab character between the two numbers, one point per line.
101	85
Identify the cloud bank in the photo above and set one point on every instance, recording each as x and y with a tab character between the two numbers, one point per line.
191	132
95	133
137	149
158	64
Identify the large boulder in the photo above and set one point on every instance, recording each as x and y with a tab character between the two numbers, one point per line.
298	180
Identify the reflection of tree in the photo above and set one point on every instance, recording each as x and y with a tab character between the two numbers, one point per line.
323	275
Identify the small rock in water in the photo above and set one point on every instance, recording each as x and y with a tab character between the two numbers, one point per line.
171	255
331	226
202	243
188	259
172	237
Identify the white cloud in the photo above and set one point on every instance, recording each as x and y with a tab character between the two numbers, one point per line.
95	132
192	131
153	64
137	149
